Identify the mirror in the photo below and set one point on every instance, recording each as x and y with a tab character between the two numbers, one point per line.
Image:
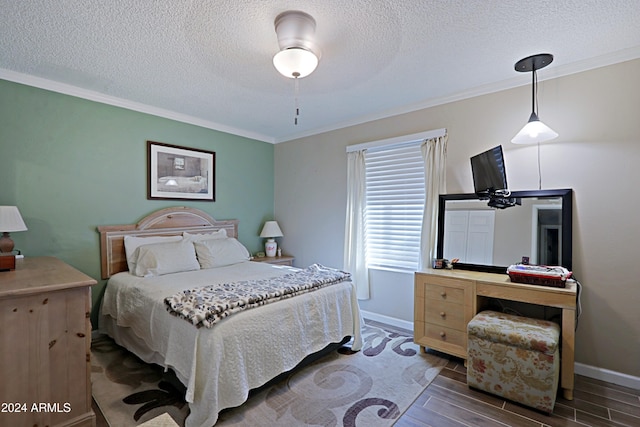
487	239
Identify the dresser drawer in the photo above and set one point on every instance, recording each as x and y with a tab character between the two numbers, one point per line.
444	293
451	315
441	334
448	282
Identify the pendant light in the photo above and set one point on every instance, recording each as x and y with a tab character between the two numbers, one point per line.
299	55
534	131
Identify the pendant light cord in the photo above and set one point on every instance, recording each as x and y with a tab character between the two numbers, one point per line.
539	170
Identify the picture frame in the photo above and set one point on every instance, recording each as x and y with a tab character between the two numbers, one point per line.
176	172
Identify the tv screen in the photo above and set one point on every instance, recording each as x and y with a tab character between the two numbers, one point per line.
489	174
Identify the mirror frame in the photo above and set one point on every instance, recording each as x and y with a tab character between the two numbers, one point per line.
567	213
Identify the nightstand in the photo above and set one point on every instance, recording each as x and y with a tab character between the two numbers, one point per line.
278	260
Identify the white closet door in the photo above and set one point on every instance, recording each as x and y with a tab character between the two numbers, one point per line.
468	235
480	237
456	225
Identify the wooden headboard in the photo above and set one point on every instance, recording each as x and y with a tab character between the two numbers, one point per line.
165	222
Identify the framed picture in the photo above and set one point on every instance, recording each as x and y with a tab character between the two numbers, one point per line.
180	173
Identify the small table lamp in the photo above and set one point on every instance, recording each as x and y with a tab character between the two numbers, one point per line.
10	220
271	230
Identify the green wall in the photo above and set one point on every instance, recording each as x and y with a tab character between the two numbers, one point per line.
70	165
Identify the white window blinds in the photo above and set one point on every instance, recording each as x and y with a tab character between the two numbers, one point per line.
395	197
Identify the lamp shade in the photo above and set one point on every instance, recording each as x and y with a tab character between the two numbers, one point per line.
295	62
271	229
11	220
534	131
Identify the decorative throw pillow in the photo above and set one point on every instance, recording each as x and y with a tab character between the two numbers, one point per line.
132	243
220	252
165	258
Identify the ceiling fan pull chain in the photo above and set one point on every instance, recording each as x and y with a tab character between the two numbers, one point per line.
296	92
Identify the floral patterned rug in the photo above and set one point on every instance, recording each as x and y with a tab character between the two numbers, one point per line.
372	387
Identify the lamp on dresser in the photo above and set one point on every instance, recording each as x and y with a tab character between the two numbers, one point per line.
270	231
10	220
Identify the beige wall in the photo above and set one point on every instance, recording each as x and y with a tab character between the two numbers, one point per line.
596	113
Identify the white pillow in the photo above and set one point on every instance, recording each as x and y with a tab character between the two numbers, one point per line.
220	252
165	258
220	234
132	243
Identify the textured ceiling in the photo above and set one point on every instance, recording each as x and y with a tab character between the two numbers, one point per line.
209	62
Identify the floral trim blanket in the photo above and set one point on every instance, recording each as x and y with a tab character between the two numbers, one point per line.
205	306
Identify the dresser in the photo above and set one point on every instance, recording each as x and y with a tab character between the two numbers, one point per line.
445	301
45	339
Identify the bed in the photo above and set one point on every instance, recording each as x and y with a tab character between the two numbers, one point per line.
220	364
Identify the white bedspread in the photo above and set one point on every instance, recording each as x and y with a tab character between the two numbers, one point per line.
220	365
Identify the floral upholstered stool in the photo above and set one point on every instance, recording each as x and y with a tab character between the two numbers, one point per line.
514	357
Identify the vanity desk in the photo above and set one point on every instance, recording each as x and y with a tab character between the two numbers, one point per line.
446	300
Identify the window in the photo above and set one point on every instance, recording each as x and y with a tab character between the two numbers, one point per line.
395	197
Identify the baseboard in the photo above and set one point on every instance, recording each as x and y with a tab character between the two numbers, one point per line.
612	377
388	320
596	373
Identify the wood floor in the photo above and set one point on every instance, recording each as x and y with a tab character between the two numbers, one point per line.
448	402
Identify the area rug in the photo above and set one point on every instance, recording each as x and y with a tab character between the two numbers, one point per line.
372	387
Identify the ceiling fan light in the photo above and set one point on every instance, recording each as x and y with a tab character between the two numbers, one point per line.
534	131
295	62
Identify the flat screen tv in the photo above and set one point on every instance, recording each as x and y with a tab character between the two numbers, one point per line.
489	174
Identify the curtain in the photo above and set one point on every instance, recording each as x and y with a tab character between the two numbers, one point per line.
434	153
354	257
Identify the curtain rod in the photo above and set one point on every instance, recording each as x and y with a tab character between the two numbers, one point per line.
398	140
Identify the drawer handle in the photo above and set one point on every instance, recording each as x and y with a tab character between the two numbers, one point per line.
443	294
443	314
443	334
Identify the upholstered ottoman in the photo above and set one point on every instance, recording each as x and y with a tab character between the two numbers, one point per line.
514	357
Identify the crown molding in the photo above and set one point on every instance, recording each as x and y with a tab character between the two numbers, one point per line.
554	72
519	80
90	95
